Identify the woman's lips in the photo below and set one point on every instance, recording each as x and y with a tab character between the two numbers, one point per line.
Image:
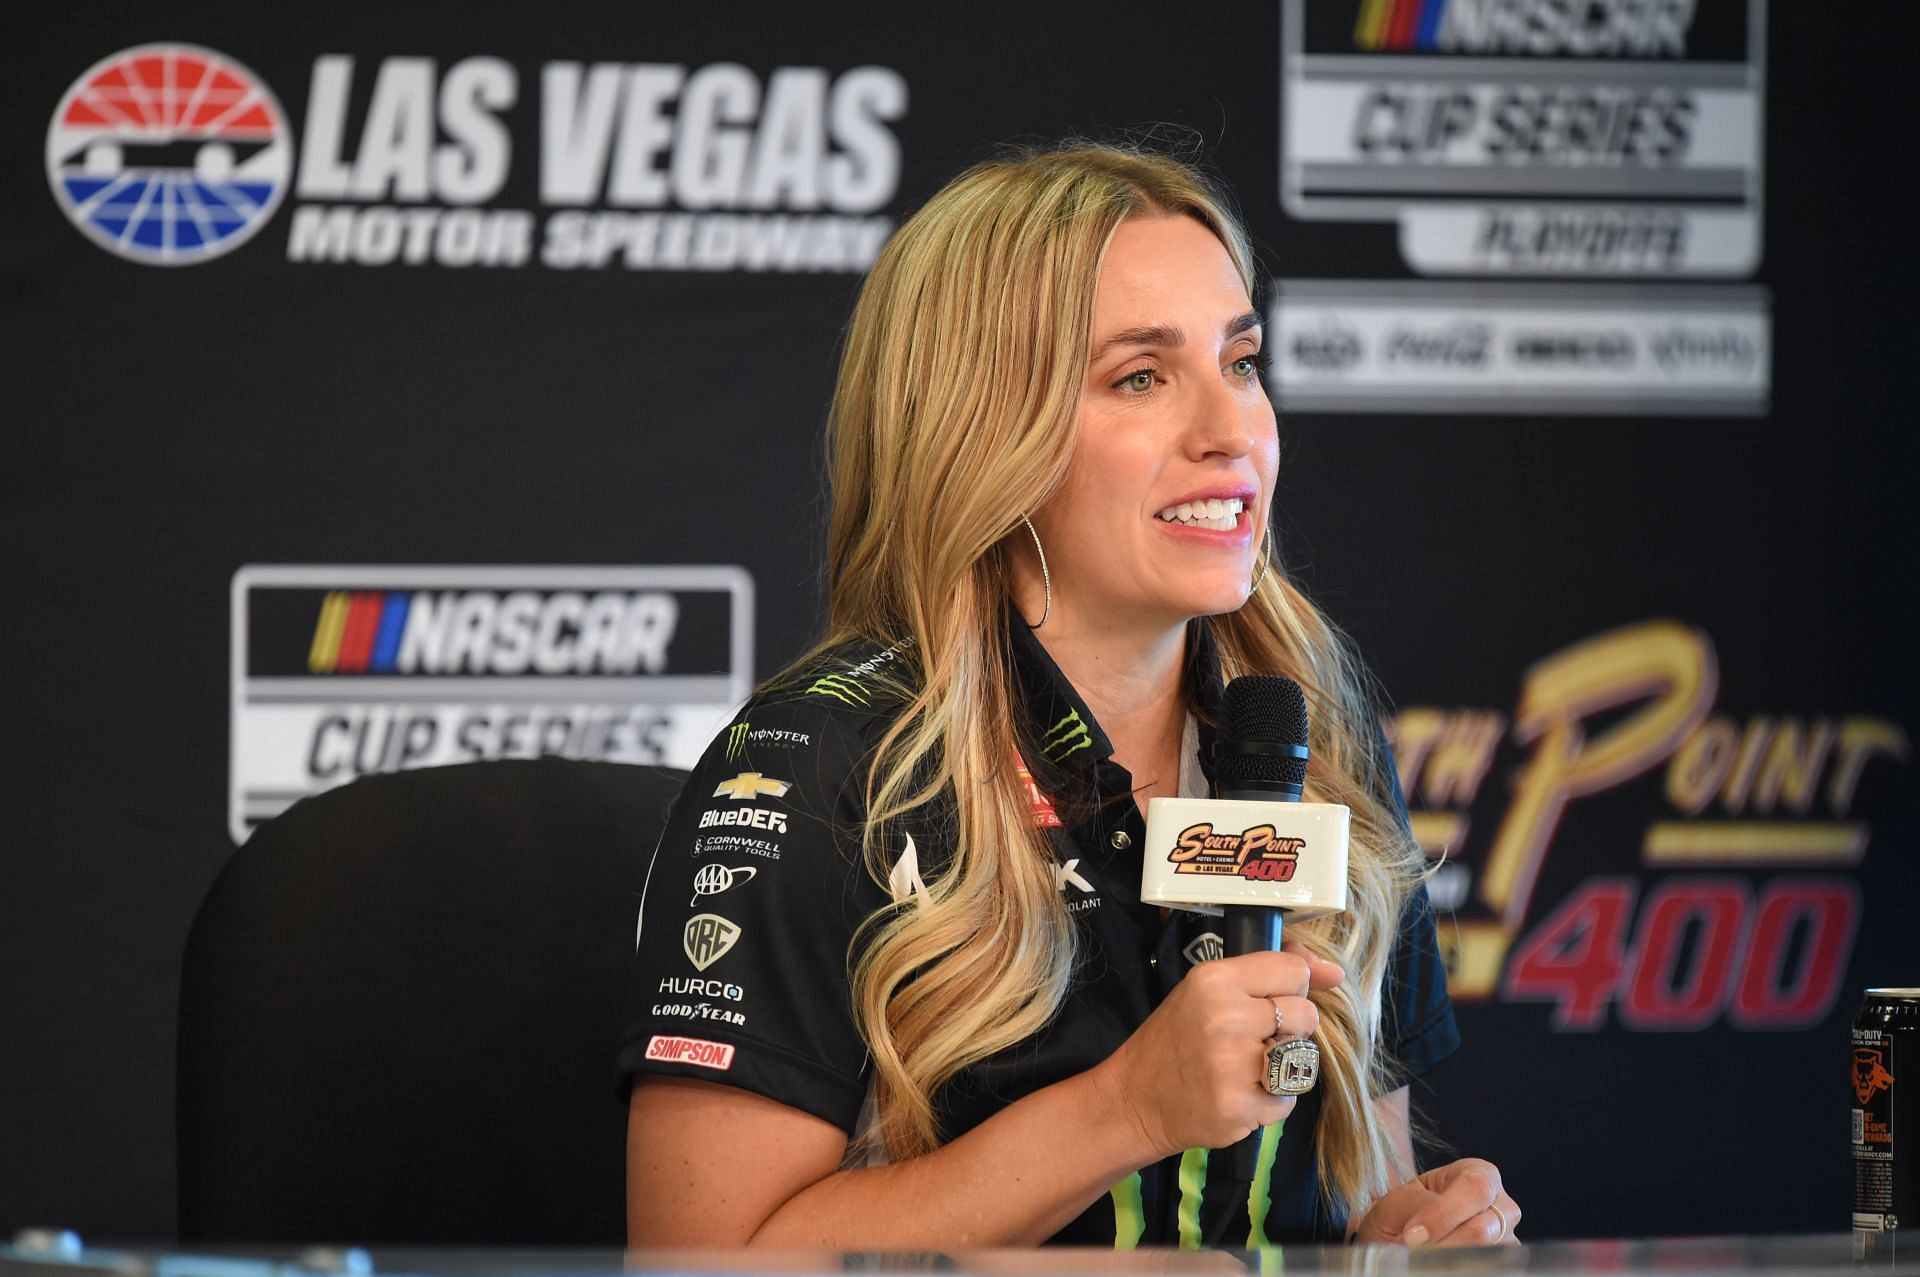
1218	514
1226	532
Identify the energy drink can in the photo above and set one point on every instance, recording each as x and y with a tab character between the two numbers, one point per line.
1886	1116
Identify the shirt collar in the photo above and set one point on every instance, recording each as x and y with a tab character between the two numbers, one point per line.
1060	740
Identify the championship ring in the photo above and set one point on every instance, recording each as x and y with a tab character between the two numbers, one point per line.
1292	1067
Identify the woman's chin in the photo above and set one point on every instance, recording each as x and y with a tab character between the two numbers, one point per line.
1215	599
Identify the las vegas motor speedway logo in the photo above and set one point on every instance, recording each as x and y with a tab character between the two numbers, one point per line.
173	154
168	154
341	671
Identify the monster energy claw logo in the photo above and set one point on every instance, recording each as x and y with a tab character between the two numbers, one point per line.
1067	737
840	687
736	740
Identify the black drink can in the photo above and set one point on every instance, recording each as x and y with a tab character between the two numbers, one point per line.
1886	1117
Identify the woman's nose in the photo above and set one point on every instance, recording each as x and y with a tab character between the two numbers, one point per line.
1221	422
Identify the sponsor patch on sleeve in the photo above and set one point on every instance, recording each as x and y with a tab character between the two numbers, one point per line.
708	1055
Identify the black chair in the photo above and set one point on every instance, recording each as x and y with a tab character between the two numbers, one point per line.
401	1005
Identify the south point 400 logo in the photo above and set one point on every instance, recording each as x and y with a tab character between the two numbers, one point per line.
1261	853
168	154
171	154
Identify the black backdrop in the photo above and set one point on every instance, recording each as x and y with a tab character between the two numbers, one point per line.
1655	1032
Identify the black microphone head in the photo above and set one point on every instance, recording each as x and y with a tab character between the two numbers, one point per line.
1261	709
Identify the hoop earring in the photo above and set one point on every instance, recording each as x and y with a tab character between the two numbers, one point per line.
1266	557
1046	577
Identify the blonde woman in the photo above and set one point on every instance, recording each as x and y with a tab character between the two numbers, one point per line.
895	986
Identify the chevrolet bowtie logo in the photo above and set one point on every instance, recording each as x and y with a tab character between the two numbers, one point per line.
748	786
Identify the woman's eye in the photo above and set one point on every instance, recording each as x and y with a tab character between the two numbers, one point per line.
1248	366
1140	381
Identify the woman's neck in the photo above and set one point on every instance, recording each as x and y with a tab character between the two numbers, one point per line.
1132	683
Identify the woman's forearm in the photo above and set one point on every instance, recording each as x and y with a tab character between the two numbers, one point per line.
1014	1180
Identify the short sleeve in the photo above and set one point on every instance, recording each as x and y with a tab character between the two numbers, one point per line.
1418	1026
751	903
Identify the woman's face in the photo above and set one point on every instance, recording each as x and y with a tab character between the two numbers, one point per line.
1165	501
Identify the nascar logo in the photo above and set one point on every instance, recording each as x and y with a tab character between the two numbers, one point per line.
1398	24
348	669
485	631
1524	26
168	154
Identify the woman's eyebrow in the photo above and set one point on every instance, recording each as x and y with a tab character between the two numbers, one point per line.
1150	335
1171	335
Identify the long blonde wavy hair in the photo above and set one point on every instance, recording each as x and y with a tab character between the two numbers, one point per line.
955	410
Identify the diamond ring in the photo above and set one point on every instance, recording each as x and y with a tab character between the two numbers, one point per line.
1292	1067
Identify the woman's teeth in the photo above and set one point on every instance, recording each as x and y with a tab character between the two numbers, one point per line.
1221	516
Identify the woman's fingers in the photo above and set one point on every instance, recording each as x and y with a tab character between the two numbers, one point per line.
1291	972
1463	1211
1194	1074
1323	974
1298	1017
1491	1227
1509	1212
1460	1204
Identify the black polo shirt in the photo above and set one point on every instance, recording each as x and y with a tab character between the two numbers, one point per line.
757	888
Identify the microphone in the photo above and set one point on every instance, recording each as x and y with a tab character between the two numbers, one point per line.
1254	849
1259	755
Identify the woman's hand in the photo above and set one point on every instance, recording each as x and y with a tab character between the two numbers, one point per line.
1459	1204
1190	1077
